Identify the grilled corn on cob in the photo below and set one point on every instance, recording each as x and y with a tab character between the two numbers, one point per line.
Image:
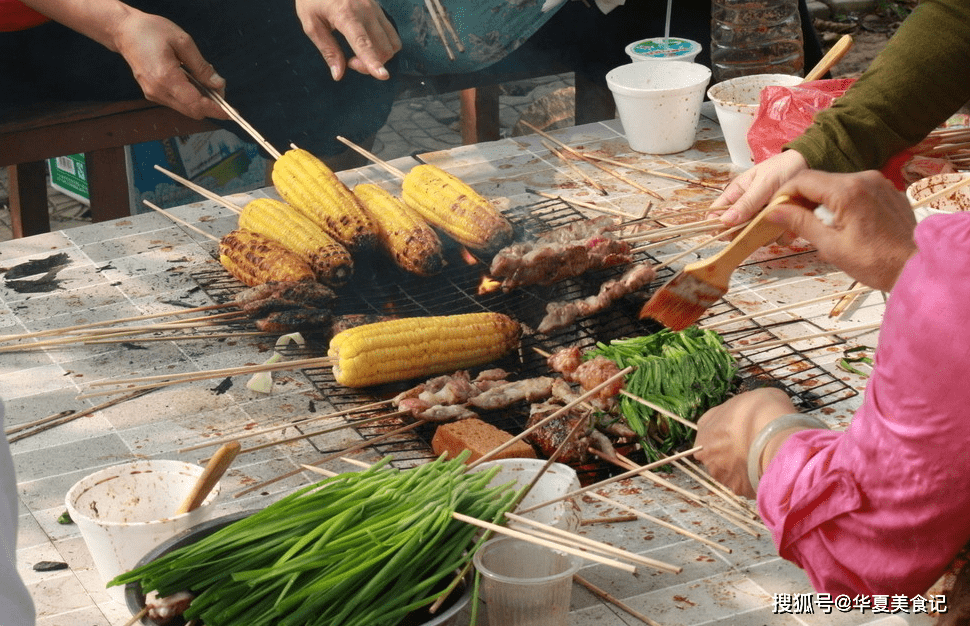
307	184
278	221
447	203
404	235
419	347
255	259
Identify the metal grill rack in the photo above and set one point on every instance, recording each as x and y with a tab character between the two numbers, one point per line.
384	290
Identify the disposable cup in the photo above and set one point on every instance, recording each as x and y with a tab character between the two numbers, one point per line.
736	103
659	104
525	584
959	200
664	49
556	481
126	510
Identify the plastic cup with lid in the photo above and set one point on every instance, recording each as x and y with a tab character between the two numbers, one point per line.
664	49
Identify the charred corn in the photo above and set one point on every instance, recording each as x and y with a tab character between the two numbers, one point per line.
404	235
280	222
419	347
311	187
449	204
255	259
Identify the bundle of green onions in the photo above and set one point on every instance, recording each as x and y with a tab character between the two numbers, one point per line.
362	548
685	372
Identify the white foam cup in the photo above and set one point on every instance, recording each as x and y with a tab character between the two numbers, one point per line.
126	510
736	103
659	104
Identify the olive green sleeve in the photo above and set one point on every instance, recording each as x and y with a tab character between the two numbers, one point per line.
919	80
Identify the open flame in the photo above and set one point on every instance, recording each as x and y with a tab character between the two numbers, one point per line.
488	285
468	257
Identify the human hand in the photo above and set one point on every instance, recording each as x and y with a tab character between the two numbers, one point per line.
157	50
751	190
726	432
870	236
362	23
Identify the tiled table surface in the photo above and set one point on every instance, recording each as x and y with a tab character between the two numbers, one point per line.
134	266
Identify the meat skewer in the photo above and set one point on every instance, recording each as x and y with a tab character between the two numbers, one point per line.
562	314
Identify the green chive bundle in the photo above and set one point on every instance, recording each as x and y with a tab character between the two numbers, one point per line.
686	372
359	549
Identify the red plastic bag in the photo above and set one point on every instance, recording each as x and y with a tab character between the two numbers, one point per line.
785	112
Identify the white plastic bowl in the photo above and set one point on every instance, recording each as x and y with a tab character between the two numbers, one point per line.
959	200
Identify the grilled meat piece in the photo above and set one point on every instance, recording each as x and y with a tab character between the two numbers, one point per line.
562	314
502	396
548	437
294	320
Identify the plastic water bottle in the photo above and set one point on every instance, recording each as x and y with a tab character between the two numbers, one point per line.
756	37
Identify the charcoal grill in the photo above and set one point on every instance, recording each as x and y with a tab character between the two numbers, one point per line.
385	291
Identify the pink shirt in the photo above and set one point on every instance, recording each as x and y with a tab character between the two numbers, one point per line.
883	507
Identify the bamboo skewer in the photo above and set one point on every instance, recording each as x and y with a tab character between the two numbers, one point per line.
702	244
315	433
673	239
502	530
197	376
582	157
660	522
202	191
254	433
179	220
596	591
634	472
785	307
575	170
137	617
440	28
586	205
559	534
844	301
943	193
683	179
373	157
702	477
136	318
659	409
357	446
593	521
779	342
59	419
236	116
449	26
670	231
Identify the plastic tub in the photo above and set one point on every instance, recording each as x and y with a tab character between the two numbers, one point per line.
126	510
659	104
736	103
523	583
664	49
557	481
959	200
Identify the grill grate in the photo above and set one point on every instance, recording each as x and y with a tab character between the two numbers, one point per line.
386	291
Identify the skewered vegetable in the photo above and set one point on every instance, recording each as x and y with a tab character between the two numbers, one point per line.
359	549
254	259
449	204
686	372
278	221
404	234
314	190
416	347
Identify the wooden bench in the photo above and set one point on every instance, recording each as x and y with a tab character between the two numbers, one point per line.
101	130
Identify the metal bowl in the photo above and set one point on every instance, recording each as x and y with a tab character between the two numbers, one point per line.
135	598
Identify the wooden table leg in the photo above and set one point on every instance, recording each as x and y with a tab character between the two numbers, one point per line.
28	199
107	184
480	114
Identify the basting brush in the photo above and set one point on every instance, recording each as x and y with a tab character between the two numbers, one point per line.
686	296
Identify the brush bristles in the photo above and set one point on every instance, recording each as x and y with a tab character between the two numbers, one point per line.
681	302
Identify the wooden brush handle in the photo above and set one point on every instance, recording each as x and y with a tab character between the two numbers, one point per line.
718	267
833	56
213	471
